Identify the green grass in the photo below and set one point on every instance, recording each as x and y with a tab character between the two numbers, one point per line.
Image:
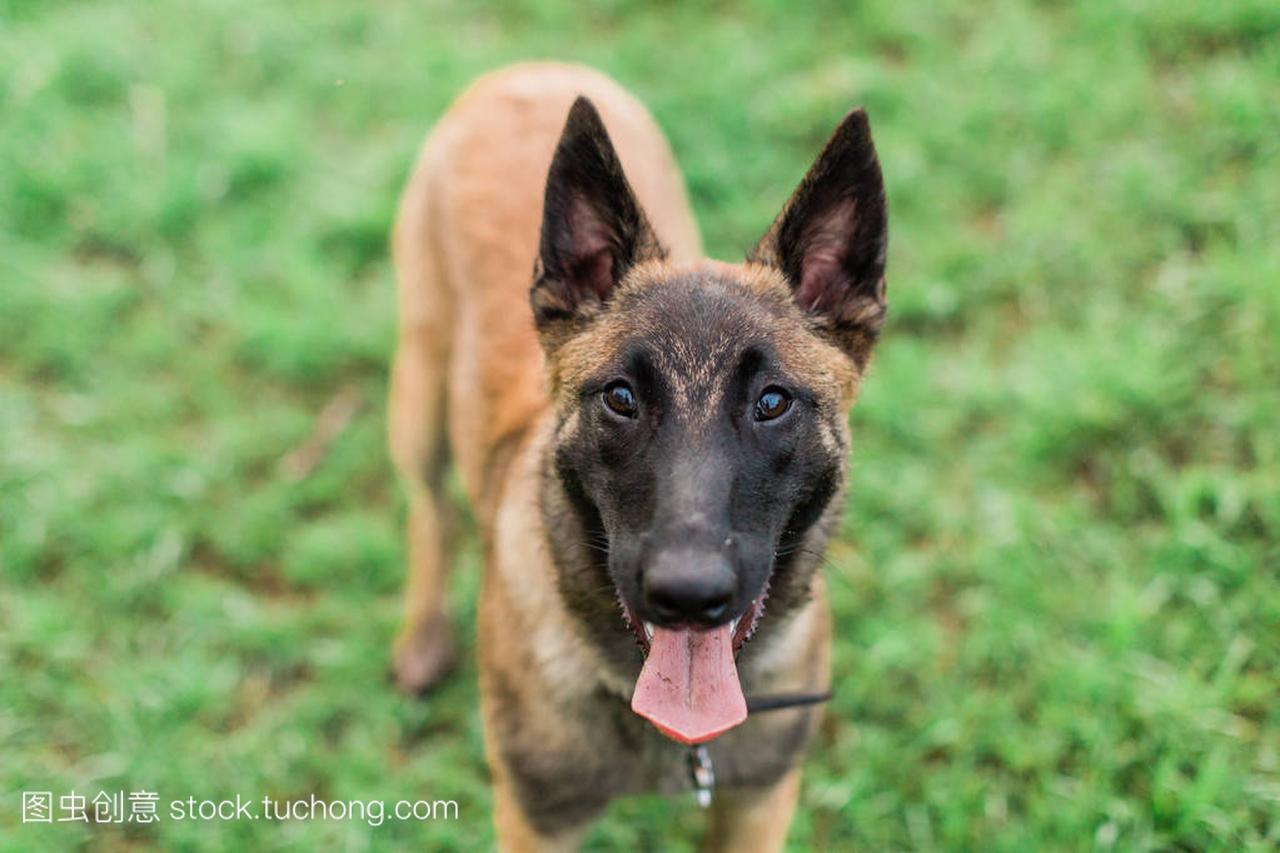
1056	588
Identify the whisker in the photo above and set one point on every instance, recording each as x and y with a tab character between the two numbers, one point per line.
797	548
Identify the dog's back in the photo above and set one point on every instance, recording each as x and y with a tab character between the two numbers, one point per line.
465	243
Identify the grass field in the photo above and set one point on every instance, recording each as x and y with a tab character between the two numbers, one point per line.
1057	582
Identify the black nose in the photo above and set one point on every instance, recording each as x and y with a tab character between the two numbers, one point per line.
685	586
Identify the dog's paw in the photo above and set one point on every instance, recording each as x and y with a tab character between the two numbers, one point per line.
422	656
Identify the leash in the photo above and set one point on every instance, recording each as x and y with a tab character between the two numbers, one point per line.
782	701
703	775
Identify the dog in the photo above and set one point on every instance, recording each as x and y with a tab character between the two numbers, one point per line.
653	445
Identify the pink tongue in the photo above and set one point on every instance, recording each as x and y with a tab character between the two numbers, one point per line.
689	685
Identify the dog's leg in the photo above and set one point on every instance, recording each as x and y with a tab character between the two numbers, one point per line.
418	441
517	835
753	820
424	647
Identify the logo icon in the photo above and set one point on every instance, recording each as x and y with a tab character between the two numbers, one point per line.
37	807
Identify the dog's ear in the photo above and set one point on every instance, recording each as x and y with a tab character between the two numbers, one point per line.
830	239
593	229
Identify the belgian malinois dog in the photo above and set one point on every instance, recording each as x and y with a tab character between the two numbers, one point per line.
653	445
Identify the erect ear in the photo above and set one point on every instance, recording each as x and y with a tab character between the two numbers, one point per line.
593	229
830	239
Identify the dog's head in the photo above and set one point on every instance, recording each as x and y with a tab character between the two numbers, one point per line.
702	409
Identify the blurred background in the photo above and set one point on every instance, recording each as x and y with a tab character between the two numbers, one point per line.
1058	615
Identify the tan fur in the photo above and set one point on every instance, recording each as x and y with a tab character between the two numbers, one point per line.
470	378
753	820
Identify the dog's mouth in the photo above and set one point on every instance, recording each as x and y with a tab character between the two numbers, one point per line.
688	687
741	629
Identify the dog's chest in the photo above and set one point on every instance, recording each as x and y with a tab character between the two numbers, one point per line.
620	754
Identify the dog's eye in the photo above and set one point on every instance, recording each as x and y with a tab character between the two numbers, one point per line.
621	399
773	403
